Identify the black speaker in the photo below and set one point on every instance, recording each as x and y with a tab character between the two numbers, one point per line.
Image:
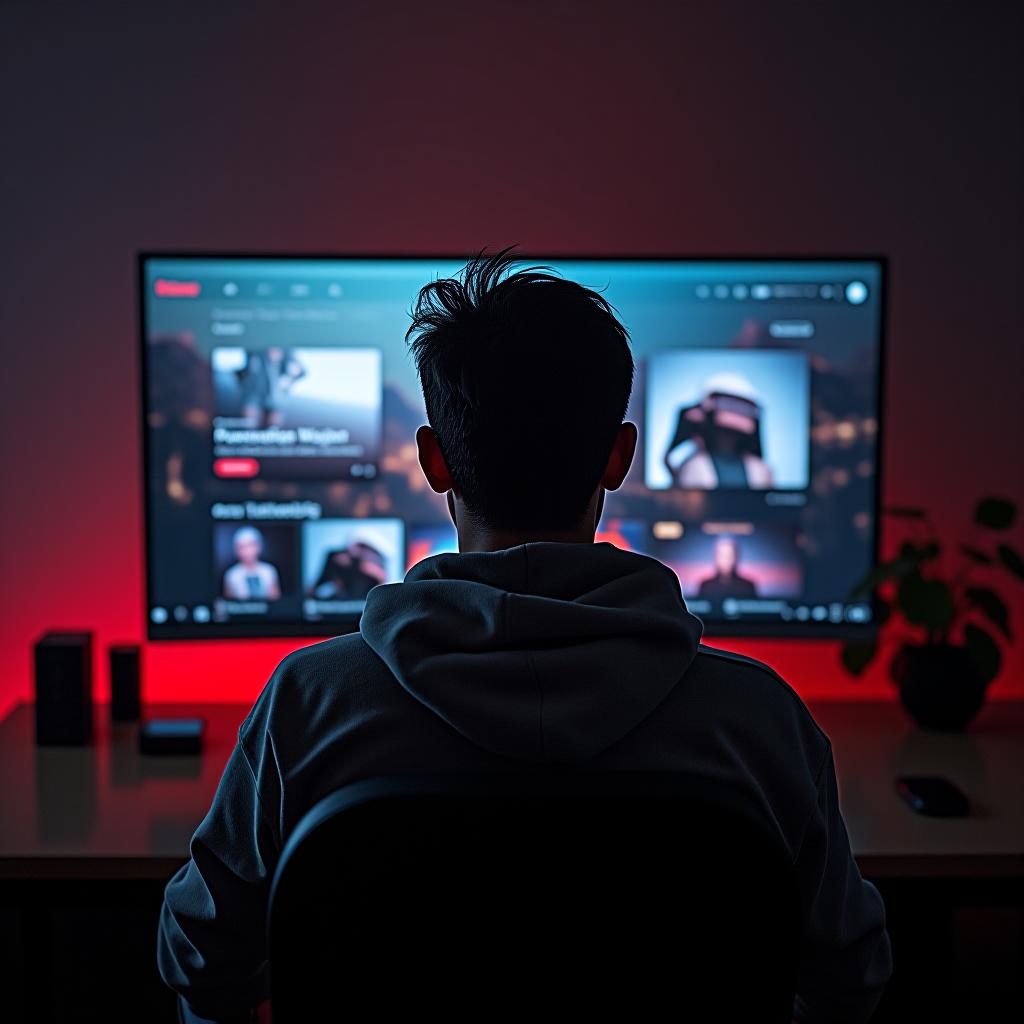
125	684
64	688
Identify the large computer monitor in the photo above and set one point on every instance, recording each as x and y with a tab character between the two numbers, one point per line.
280	405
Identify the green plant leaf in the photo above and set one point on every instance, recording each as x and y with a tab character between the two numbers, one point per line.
984	652
992	606
904	512
857	655
886	571
977	556
995	513
927	603
1009	557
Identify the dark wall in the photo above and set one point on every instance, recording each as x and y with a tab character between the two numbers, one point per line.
587	127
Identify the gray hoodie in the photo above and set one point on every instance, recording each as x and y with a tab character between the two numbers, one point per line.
544	653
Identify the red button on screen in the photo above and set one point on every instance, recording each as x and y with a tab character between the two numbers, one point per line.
236	468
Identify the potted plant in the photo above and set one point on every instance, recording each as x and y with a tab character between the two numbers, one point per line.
947	652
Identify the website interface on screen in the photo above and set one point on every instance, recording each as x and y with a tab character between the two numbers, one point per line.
281	406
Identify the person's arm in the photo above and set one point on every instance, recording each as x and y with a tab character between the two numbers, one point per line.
679	435
759	473
846	958
211	944
697	471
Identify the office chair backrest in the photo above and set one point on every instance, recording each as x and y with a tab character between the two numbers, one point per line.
639	896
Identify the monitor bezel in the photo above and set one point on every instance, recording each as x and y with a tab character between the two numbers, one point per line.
784	631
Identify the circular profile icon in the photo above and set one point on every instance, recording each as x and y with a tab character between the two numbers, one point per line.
856	293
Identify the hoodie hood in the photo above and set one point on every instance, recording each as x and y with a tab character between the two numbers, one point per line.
543	652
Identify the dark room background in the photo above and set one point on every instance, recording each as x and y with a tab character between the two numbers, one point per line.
603	128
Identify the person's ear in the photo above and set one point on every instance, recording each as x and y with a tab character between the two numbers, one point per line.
621	457
435	469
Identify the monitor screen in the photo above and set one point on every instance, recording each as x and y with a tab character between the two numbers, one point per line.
281	404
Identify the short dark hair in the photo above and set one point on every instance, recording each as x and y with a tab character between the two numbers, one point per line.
526	378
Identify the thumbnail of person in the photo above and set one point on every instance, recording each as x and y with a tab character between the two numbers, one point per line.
350	573
722	419
739	560
313	413
728	580
343	559
726	424
264	378
253	556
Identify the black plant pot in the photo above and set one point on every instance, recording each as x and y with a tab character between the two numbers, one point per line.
939	685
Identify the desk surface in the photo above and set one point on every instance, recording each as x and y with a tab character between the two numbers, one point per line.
105	811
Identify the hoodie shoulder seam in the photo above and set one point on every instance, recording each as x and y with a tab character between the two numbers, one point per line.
767	670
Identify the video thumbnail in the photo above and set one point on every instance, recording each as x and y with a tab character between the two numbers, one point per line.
432	539
343	559
297	413
715	561
256	567
720	419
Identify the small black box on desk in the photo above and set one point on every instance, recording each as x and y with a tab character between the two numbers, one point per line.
171	736
63	666
125	684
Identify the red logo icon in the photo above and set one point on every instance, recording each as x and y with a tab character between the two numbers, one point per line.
168	289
